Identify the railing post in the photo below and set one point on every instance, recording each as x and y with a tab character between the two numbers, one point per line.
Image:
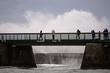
37	36
21	36
68	36
17	36
60	36
1	37
44	36
6	37
108	36
76	36
13	37
84	36
9	37
29	36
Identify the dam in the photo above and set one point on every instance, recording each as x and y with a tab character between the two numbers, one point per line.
16	48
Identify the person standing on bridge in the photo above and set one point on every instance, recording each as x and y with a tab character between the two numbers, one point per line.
93	34
105	33
53	34
40	36
78	34
99	35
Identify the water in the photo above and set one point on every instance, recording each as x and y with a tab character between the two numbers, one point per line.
52	60
51	70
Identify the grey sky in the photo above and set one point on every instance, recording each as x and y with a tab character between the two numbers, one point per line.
13	10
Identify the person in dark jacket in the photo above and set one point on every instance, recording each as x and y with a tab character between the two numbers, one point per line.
53	34
99	35
40	36
78	34
93	34
105	34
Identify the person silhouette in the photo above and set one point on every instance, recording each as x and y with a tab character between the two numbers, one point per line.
93	34
53	34
78	34
40	36
105	34
99	35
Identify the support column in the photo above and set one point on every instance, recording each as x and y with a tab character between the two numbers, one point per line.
22	56
96	56
93	56
3	55
106	56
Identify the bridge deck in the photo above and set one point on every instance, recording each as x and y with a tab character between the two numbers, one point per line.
49	39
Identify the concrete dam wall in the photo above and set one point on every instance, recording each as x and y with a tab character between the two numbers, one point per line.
19	56
96	56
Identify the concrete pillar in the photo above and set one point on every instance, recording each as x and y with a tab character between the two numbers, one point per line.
96	56
22	56
3	55
106	56
93	56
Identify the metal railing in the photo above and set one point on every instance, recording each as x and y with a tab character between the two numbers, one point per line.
50	36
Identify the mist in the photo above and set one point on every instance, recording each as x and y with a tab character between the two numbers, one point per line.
68	21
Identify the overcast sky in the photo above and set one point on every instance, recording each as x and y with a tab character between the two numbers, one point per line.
14	10
29	14
60	15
